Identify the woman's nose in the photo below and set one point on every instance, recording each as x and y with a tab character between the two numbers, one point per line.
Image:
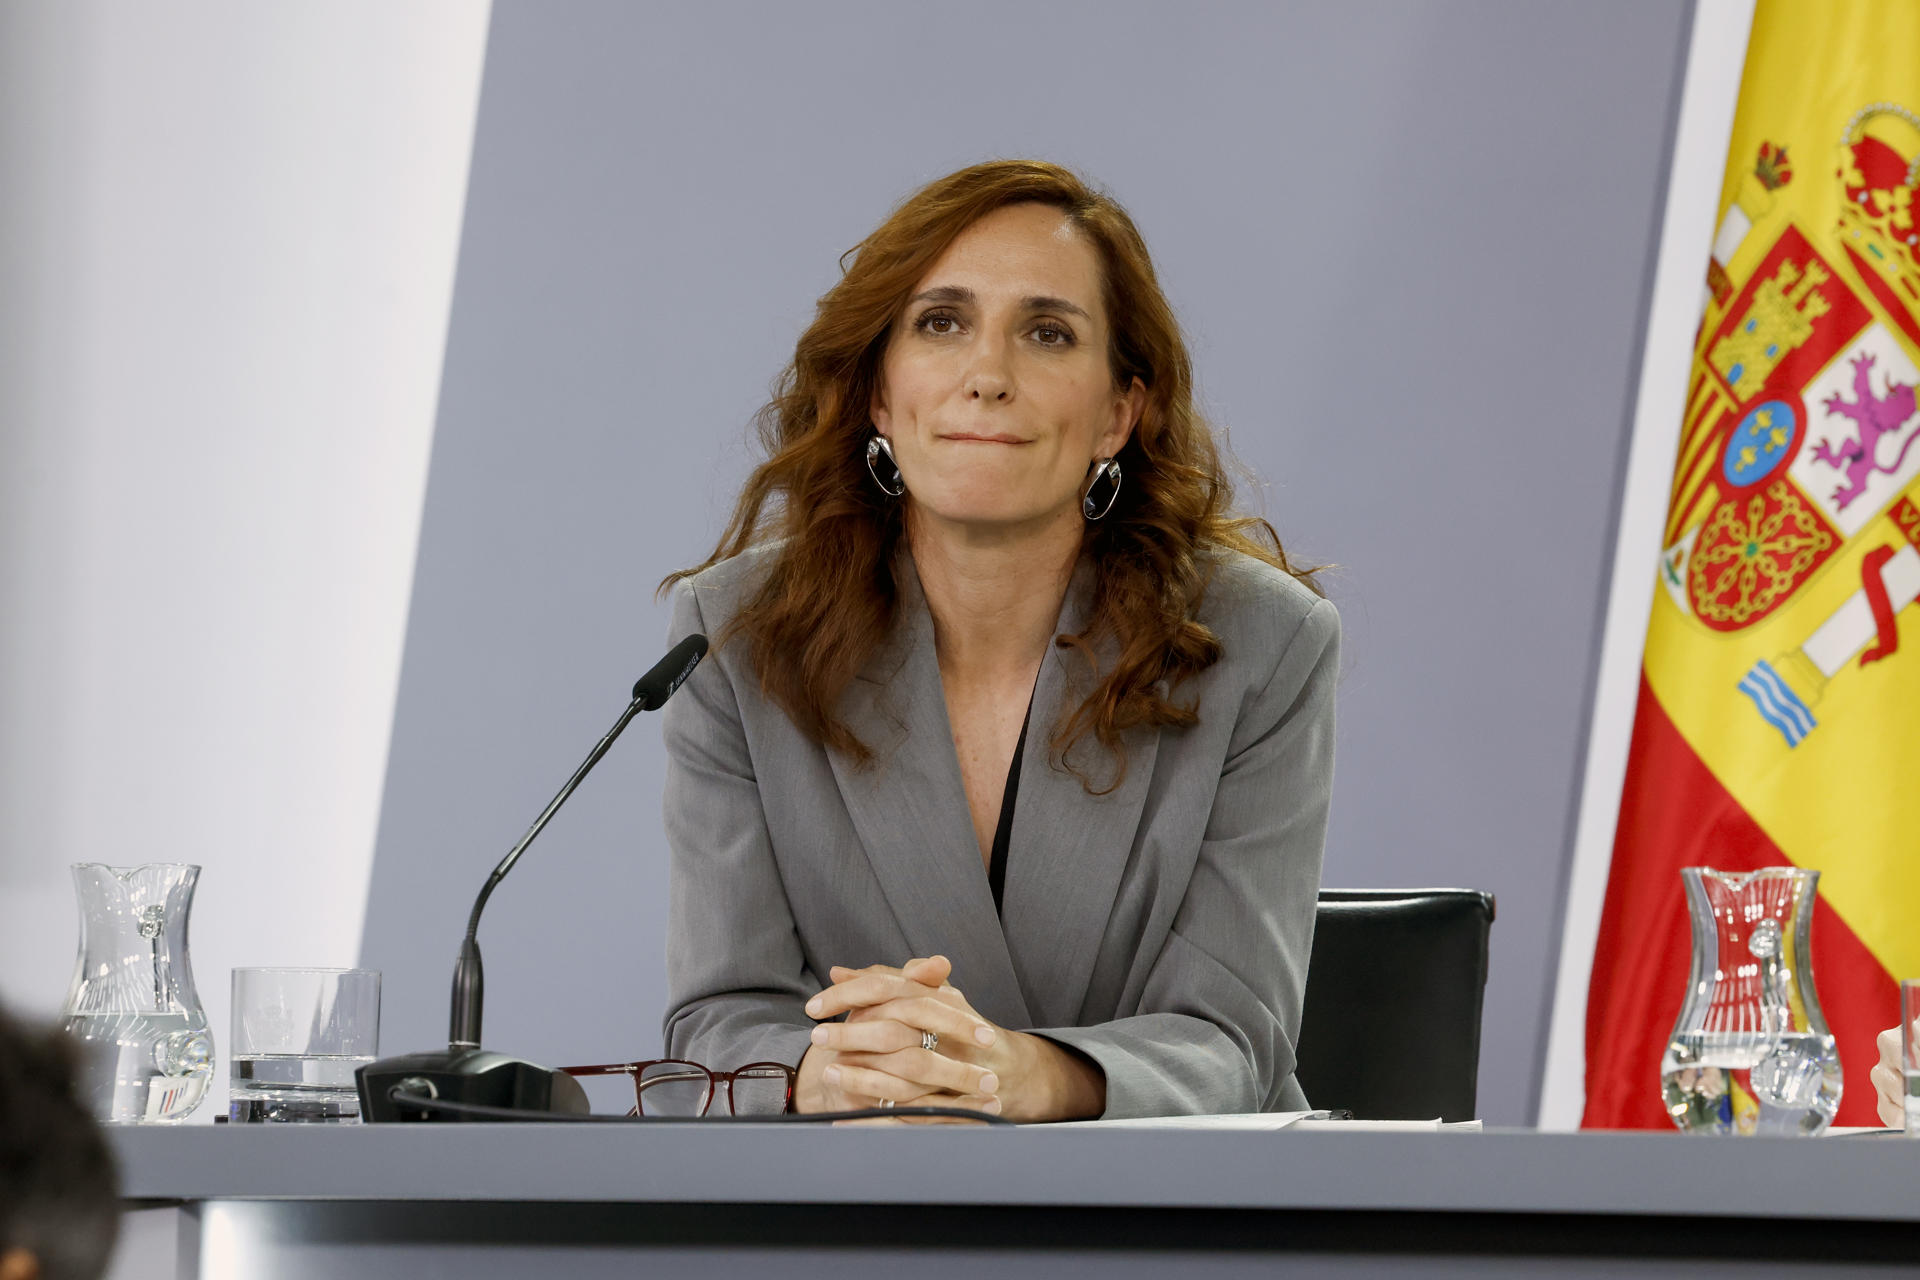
987	377
988	380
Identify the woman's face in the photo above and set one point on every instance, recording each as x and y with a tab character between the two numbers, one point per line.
994	390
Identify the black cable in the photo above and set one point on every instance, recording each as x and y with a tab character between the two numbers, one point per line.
414	1101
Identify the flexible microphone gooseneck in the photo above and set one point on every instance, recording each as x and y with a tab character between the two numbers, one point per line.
464	1073
650	692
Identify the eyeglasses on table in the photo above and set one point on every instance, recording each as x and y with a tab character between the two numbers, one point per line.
674	1087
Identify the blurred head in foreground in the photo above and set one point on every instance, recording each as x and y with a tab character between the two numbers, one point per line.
59	1199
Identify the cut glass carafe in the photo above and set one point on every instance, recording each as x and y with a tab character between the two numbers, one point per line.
146	1054
1750	1052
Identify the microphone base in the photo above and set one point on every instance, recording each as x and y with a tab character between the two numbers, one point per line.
474	1076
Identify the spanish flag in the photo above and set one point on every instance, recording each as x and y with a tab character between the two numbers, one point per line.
1779	713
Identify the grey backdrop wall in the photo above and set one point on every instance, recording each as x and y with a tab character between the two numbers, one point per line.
1410	242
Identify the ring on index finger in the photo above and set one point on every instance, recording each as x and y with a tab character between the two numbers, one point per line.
929	1041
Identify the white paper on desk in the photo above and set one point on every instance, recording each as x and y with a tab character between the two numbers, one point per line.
1253	1120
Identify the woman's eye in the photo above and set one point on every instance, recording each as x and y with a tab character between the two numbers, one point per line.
938	323
1050	335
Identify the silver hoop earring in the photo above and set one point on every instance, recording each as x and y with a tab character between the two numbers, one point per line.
878	446
1107	469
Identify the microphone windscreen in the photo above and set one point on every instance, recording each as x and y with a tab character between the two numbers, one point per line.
668	674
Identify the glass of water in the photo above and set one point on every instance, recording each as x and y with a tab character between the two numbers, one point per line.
1910	1052
298	1037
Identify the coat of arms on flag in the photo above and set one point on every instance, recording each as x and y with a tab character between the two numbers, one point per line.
1779	717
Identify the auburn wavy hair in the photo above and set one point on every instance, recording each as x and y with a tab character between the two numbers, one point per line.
829	597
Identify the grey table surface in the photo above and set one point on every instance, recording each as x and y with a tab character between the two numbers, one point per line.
1497	1171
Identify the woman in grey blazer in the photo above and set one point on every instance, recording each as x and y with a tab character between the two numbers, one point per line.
1007	785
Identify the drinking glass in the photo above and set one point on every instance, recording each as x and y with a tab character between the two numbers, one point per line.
298	1037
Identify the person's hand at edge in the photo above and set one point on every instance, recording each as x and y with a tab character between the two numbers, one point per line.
1889	1081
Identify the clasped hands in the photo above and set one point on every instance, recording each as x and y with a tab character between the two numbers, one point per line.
877	1054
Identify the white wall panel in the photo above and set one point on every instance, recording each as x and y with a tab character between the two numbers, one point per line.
227	243
1714	60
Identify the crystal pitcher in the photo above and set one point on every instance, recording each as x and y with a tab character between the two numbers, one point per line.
146	1054
1750	1052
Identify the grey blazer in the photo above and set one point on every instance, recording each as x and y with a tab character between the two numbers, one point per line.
1162	929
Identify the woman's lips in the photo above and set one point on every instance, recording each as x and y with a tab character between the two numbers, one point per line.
981	437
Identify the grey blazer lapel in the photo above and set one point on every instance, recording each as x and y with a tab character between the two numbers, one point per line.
1068	849
910	810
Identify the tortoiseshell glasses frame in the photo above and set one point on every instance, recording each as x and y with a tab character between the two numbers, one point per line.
672	1082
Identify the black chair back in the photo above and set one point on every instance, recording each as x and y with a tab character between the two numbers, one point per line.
1391	1024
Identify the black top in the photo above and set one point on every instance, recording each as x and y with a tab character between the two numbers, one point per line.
1003	831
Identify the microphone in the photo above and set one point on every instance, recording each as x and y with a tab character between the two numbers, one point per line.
465	1073
668	674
